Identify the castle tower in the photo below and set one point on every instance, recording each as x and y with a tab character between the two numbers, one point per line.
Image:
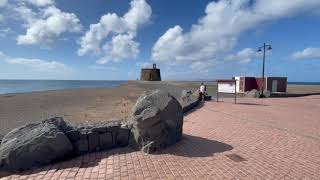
150	74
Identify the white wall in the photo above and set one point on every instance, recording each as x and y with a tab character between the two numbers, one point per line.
226	87
238	83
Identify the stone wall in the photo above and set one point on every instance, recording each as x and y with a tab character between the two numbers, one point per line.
98	137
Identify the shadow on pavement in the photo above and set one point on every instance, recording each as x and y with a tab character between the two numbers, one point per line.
73	164
288	95
251	104
193	146
189	146
201	104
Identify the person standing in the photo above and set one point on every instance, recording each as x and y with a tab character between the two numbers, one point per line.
202	91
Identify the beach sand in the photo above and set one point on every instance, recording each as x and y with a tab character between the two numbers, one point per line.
85	106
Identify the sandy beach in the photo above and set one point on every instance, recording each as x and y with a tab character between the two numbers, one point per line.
83	106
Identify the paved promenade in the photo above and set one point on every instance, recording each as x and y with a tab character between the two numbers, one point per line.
256	139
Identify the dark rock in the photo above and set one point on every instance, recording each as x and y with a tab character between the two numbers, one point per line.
99	128
97	137
82	145
34	144
113	128
188	100
267	93
156	121
106	141
253	93
94	141
58	122
256	94
123	136
73	135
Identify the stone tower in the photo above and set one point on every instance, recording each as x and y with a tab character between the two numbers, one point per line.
150	74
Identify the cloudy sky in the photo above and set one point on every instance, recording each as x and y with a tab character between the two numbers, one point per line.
189	40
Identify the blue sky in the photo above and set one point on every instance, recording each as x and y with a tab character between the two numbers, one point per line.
189	40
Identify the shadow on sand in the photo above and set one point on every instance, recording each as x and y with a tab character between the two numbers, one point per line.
193	146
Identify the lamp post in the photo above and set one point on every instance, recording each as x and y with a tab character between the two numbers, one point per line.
264	59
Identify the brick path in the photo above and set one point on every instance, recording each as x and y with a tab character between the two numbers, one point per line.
257	139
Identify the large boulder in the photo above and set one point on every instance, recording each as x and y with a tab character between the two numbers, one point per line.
188	100
267	93
253	93
256	94
156	121
34	144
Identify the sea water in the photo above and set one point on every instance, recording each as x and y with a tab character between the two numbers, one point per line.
22	86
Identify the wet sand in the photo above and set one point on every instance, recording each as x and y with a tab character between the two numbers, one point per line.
84	106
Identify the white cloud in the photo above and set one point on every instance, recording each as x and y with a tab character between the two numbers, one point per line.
42	21
244	56
3	3
41	2
46	30
92	40
4	32
308	53
123	29
139	13
26	14
218	31
144	64
38	65
179	74
121	47
199	66
100	67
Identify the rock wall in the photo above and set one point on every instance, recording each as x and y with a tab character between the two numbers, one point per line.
52	140
98	137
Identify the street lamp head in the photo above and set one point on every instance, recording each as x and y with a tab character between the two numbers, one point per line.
269	48
259	50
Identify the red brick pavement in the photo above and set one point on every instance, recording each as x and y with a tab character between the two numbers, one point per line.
256	139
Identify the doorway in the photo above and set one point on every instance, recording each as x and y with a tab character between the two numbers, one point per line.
274	85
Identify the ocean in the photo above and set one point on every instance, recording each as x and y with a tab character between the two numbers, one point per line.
22	86
304	83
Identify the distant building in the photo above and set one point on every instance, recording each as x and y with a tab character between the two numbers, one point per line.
150	74
273	84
